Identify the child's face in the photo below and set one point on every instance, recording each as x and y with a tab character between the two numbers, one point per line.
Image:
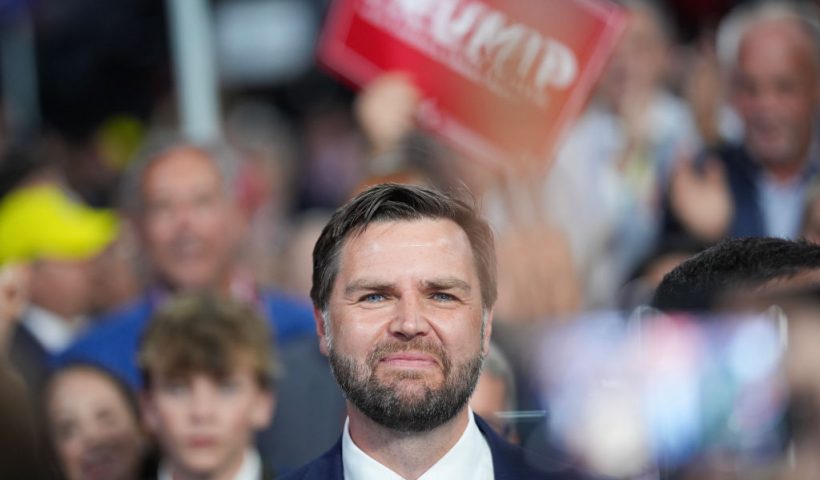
205	424
95	433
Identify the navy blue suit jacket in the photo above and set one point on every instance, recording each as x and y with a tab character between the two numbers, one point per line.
509	462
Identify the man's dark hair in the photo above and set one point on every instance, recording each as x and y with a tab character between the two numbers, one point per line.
743	263
392	202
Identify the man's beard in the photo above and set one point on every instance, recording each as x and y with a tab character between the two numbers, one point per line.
388	404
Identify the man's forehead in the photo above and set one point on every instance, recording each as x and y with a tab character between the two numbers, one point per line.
188	155
407	239
810	277
423	233
197	164
745	296
785	36
376	282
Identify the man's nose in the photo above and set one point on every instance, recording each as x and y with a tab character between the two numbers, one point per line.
183	213
410	319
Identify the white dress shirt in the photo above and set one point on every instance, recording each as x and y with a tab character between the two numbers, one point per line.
470	458
53	332
251	468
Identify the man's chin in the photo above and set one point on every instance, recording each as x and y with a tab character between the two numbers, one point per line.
773	152
409	378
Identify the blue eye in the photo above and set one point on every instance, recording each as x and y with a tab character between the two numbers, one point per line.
373	298
443	297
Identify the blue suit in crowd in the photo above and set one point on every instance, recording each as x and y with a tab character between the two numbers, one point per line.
113	340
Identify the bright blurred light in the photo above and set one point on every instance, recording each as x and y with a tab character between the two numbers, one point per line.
755	351
261	42
624	398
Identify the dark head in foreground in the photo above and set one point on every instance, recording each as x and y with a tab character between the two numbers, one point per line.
737	267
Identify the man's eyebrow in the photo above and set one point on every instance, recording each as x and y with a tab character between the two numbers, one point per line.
447	283
365	284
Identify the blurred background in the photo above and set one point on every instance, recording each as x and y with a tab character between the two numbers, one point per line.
700	129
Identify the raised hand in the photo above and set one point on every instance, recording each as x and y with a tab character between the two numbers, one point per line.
386	109
14	280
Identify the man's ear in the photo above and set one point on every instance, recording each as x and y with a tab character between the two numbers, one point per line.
150	417
262	409
320	330
488	332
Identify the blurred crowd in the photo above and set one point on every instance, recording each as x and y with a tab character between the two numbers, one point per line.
702	128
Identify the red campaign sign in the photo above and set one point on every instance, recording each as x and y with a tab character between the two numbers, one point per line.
498	77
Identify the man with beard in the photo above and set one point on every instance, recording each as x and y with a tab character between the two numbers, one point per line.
771	51
404	282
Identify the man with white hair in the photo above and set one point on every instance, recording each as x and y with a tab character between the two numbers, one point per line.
770	51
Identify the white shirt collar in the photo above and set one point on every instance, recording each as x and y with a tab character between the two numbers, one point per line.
469	458
251	468
52	331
